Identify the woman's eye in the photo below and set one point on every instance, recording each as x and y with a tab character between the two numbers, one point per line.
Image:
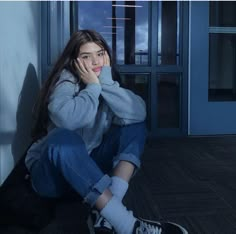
101	54
85	57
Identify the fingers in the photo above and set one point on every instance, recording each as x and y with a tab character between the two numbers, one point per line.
87	68
80	66
106	59
77	67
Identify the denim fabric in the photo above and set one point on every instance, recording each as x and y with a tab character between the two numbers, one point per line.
121	143
65	163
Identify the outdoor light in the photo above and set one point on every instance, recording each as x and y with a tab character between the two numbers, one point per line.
119	18
127	5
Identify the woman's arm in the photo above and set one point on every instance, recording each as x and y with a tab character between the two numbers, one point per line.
126	106
71	110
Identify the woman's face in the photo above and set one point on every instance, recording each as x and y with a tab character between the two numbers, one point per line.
93	55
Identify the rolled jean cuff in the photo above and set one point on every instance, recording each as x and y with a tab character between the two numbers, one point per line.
97	190
127	157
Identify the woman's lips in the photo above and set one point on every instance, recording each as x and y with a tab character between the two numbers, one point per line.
97	69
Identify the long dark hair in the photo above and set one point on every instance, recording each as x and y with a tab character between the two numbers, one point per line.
65	61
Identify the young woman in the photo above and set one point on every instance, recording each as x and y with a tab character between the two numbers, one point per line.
89	135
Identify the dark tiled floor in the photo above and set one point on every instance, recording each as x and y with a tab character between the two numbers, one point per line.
187	180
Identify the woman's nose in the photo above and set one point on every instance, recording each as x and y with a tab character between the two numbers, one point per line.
94	60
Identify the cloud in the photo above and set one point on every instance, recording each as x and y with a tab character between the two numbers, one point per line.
93	15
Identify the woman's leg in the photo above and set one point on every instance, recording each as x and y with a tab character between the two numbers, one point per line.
120	150
64	160
121	144
65	163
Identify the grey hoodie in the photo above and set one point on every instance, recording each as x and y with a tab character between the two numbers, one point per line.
81	111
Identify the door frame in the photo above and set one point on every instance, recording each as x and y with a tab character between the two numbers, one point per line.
205	118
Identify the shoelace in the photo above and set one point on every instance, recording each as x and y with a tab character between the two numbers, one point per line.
146	228
102	222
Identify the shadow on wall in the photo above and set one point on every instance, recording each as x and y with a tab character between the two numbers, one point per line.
24	120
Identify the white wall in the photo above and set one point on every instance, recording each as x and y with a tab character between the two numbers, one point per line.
19	76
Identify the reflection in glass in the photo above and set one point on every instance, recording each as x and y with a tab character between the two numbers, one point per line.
222	13
168	33
125	28
139	84
222	51
168	100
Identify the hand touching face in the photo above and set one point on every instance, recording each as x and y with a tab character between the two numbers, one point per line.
86	74
94	56
90	61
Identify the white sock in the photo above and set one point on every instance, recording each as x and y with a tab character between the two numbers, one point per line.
118	216
118	187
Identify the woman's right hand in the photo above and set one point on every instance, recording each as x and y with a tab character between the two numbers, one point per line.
86	74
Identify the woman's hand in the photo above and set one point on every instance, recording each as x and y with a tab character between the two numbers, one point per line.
86	74
106	59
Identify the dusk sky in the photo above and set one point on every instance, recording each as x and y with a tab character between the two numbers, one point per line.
93	15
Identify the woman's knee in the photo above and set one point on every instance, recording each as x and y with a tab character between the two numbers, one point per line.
61	136
141	128
137	131
62	142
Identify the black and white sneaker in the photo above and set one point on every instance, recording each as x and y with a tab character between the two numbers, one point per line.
99	225
143	226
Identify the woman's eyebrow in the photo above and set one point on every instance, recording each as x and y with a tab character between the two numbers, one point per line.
83	53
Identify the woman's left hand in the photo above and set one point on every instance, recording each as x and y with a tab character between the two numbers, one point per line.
106	59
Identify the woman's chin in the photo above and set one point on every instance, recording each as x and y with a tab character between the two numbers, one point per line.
98	73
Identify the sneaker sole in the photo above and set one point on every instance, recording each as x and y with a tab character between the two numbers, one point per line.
182	228
179	226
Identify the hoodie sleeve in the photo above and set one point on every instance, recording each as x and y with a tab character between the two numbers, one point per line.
70	109
127	107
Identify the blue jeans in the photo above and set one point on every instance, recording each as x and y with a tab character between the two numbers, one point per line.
65	162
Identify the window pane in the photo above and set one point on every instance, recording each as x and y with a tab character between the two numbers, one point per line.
124	24
222	51
168	100
168	33
138	83
222	14
222	75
